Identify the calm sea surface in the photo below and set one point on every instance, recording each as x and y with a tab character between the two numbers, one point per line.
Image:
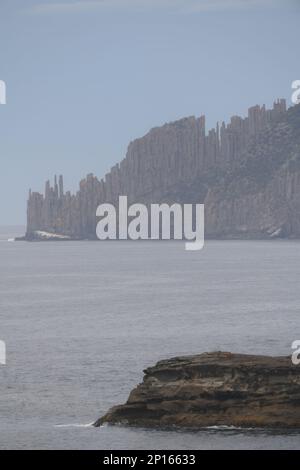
81	320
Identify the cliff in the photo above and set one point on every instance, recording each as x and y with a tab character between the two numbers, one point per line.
247	173
214	389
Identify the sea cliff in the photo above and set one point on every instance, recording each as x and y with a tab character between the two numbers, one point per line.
246	172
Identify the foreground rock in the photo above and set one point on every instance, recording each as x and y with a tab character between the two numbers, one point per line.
211	389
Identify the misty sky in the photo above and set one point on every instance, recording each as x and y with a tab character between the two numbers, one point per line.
85	77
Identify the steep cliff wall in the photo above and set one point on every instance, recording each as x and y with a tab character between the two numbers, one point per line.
246	173
261	195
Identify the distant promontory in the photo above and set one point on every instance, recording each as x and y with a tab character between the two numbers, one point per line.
246	172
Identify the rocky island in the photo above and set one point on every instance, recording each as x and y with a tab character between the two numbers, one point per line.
214	389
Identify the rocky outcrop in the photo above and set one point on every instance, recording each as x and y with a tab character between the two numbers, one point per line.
247	173
260	196
39	236
214	389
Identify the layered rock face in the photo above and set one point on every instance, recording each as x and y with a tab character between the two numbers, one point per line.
214	389
247	173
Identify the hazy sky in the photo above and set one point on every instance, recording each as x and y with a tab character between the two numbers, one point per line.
85	77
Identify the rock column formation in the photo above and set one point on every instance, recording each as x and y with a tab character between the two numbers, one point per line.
246	173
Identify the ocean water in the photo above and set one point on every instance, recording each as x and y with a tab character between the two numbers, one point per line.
81	320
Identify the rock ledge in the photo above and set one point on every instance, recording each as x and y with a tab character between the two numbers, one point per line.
210	389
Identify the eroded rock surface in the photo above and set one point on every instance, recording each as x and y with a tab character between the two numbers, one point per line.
246	172
211	389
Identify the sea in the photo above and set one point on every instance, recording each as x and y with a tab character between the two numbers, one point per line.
81	321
